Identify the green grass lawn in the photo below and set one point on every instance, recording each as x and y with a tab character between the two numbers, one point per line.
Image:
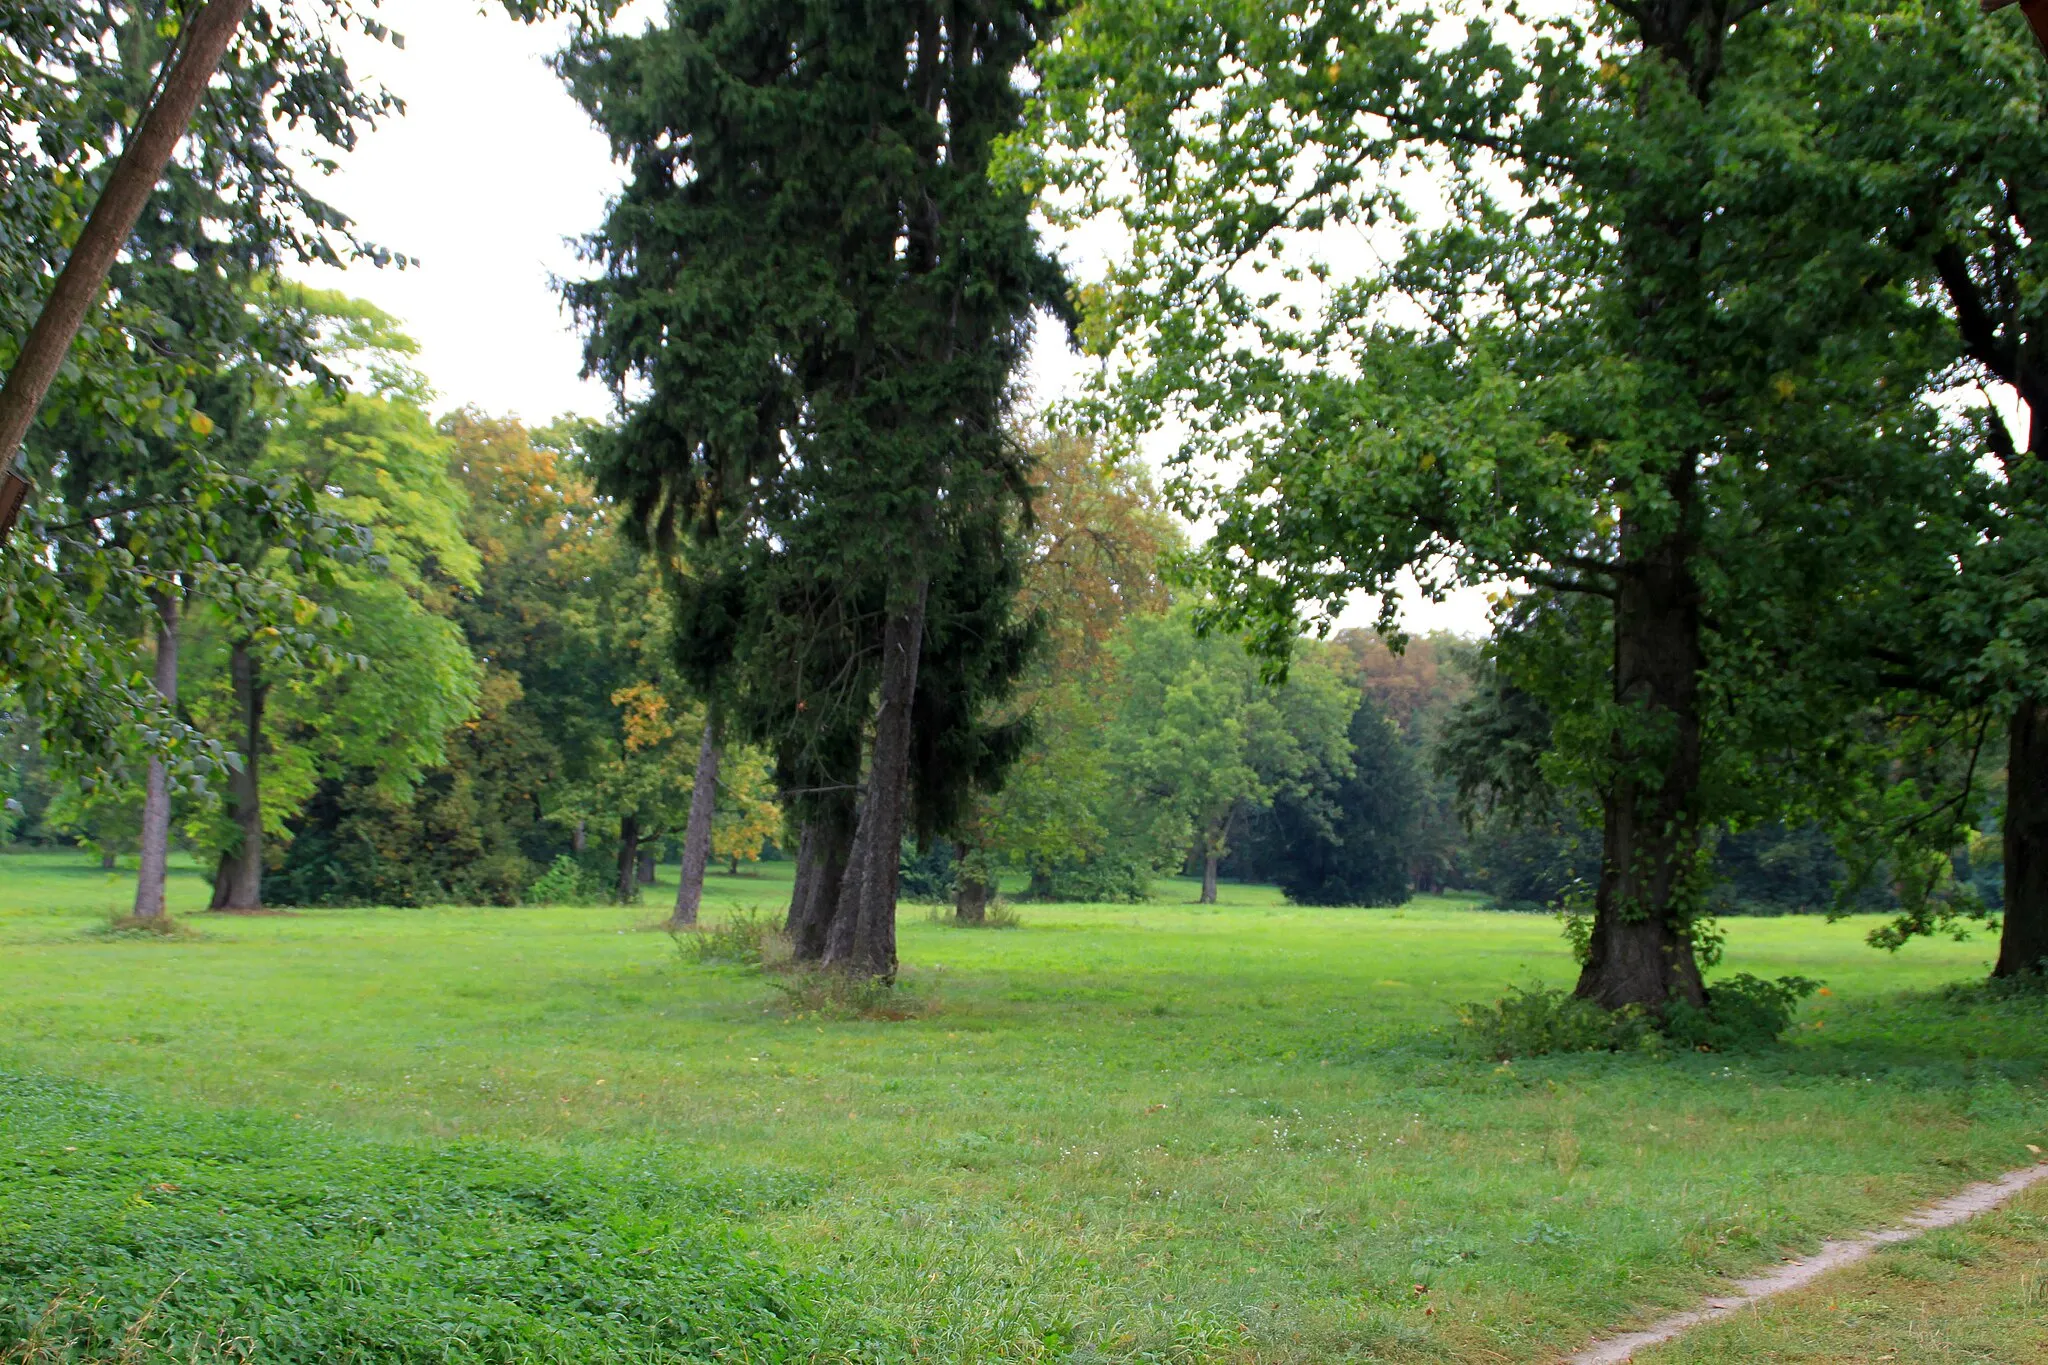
1160	1132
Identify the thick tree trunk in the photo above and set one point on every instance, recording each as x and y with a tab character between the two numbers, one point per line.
822	857
697	832
223	882
862	940
971	892
121	200
1641	949
245	874
644	869
2023	948
1210	858
629	859
153	872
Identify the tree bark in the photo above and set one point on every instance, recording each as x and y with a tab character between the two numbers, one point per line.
108	861
822	856
2023	946
245	873
223	882
697	831
971	892
644	869
1210	858
154	862
1040	888
579	838
1641	947
113	217
862	940
629	859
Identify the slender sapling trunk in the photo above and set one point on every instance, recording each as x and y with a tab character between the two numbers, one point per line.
697	832
244	889
154	861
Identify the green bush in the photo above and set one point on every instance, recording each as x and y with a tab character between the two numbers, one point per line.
748	938
1530	1021
307	1248
566	882
1742	1011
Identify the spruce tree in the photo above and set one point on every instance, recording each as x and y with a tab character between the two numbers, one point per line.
826	298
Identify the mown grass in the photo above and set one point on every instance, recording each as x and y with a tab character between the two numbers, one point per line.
1162	1132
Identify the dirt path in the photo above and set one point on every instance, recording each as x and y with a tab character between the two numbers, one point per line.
1955	1209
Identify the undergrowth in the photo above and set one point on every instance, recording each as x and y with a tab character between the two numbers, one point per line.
999	915
130	1235
1742	1012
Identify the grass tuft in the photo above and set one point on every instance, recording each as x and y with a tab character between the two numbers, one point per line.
825	993
146	927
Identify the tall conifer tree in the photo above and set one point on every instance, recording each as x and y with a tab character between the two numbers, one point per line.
826	299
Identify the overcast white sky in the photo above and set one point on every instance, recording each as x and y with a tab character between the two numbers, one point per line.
487	180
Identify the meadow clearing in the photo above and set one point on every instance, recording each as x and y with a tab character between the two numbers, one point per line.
1155	1132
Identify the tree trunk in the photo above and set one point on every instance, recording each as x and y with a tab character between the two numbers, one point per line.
113	216
2023	948
223	882
155	851
579	839
108	862
1641	947
697	832
245	873
863	935
1210	857
822	855
629	859
1040	887
644	871
971	892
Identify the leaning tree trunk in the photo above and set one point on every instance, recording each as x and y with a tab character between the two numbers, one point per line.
244	889
697	832
201	45
2023	948
862	940
155	852
1641	946
629	859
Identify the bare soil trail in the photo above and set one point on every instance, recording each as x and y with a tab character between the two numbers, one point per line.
1833	1255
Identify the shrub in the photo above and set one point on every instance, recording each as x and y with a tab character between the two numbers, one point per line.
566	882
1742	1011
1530	1021
1000	914
311	1248
748	938
820	992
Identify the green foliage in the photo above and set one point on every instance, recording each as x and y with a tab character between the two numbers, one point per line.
564	883
745	938
1534	1021
1742	1011
307	1247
